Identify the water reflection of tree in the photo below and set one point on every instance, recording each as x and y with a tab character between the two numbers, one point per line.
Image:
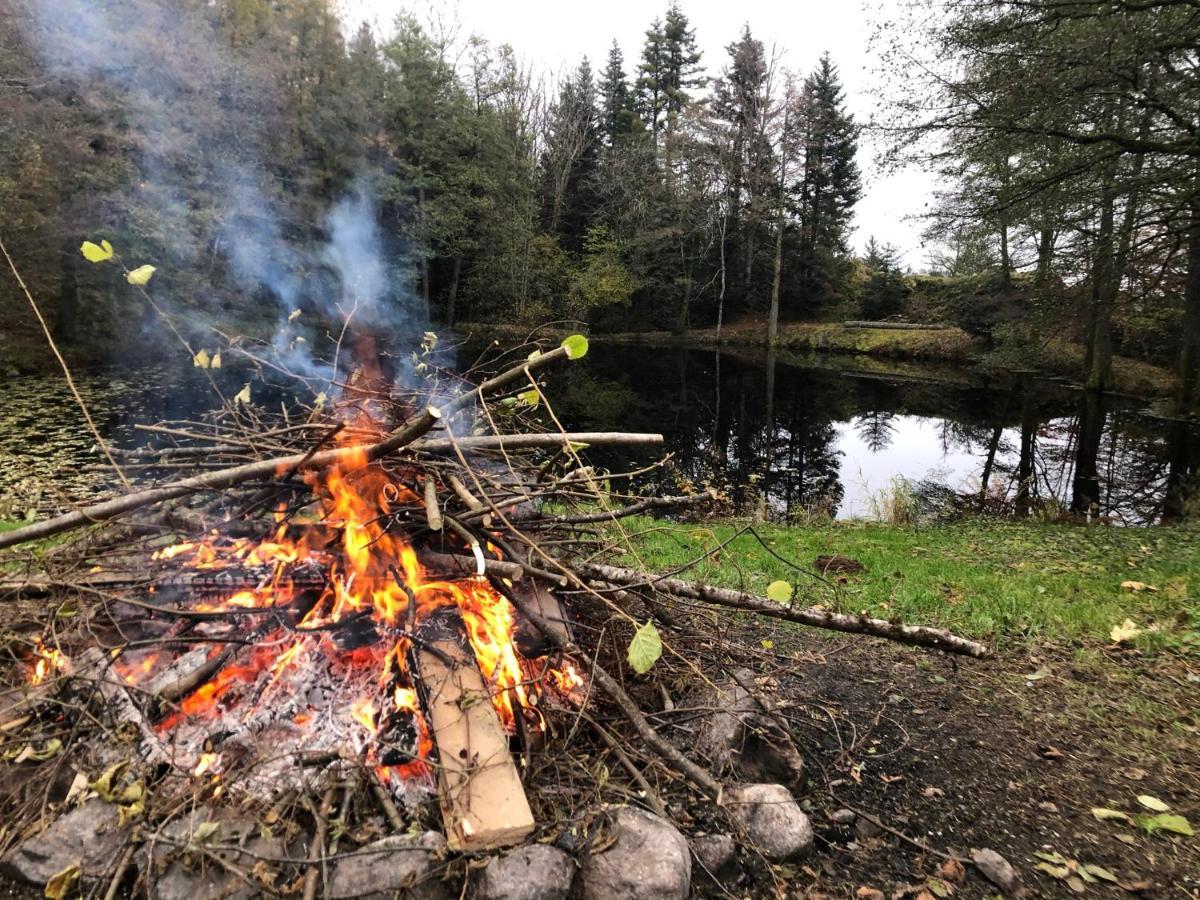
775	441
876	429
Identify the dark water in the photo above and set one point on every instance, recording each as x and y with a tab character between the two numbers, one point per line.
829	434
799	437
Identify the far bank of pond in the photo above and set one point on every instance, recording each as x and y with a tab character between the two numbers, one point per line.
949	346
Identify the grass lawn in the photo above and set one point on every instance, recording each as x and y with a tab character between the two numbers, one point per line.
1004	582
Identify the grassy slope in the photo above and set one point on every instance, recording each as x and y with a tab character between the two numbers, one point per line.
997	580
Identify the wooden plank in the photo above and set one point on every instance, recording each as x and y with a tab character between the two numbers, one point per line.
479	789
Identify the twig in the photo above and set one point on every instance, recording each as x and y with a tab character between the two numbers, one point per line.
267	468
316	852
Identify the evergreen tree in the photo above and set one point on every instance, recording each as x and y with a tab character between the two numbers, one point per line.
668	71
830	186
570	160
741	106
884	292
618	117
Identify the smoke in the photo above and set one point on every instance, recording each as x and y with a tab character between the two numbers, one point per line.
202	121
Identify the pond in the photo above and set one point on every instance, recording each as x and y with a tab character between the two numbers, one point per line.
791	437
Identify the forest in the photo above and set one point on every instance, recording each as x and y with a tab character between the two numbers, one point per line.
654	192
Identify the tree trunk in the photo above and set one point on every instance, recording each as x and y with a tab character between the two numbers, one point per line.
424	266
1104	289
452	295
1025	470
66	324
1183	468
721	294
773	314
990	461
1045	253
764	494
1005	259
1085	487
1189	358
748	270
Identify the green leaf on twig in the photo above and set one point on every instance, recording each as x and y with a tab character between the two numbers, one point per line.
576	346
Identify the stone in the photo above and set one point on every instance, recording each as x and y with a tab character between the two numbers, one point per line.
649	860
531	872
771	819
716	855
400	864
740	738
865	829
843	817
87	836
200	877
996	869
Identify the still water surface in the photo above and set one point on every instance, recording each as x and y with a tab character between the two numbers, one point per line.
791	435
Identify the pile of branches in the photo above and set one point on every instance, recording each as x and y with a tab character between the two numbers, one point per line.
493	468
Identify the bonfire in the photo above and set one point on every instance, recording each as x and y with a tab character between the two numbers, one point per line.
383	615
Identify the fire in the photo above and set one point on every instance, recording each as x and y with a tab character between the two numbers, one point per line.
48	662
360	624
566	677
208	763
363	712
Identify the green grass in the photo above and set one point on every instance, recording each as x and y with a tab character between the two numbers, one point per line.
1006	582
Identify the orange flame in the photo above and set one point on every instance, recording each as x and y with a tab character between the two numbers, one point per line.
372	572
49	662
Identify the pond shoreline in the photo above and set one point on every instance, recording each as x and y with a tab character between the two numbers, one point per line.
948	346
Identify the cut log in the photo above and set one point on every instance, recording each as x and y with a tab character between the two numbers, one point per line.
479	789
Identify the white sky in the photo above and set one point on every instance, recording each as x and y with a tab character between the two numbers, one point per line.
554	36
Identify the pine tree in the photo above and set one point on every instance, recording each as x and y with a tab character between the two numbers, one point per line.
570	160
831	184
618	117
741	105
668	71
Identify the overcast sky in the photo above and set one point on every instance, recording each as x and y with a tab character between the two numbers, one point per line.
554	35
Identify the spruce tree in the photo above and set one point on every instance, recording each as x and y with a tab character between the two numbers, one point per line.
571	158
830	186
742	108
618	117
668	71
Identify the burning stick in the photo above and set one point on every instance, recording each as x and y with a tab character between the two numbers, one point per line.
270	468
479	789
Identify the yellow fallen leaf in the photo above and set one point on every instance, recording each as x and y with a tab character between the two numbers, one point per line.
61	884
1126	631
216	360
202	360
1138	586
242	396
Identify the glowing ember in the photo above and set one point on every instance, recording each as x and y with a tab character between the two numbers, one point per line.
49	662
208	763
